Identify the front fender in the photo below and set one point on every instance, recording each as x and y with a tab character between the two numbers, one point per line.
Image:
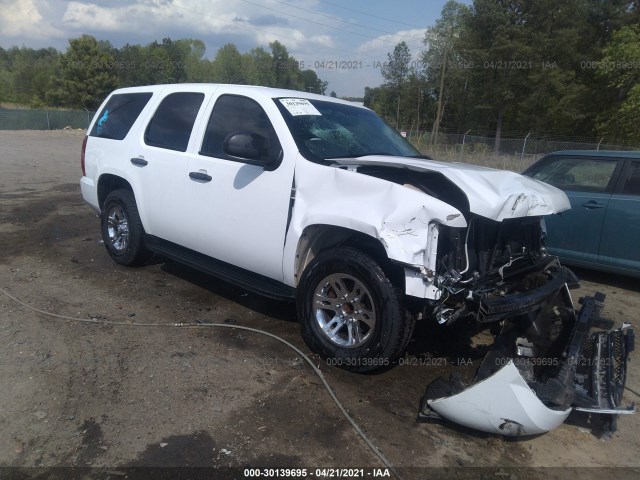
400	218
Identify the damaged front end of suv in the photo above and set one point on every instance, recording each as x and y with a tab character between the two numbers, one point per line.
548	357
463	243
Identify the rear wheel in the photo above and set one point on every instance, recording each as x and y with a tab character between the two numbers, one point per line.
351	313
122	230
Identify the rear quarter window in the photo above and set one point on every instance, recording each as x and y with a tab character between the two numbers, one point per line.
632	182
119	114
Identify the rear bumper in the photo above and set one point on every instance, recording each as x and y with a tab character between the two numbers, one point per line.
89	191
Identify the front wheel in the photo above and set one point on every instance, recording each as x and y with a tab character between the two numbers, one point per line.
351	313
122	230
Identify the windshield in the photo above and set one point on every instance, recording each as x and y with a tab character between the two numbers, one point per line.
326	130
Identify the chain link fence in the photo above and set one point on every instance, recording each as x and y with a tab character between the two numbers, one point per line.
16	119
511	153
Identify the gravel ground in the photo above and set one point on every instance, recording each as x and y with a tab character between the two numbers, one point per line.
86	395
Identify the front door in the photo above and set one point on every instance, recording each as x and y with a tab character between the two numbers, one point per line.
234	211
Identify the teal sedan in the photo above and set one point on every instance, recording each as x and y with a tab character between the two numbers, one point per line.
602	228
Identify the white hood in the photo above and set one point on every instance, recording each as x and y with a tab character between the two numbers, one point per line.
495	194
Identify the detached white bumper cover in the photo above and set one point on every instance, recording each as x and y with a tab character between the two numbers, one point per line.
502	403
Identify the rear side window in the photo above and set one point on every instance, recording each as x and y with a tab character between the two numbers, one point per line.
173	121
119	115
572	173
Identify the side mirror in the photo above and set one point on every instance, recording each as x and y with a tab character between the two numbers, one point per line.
250	146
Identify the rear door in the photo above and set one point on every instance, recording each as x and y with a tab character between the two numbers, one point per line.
620	240
588	182
160	158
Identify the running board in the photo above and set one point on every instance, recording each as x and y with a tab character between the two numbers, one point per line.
240	277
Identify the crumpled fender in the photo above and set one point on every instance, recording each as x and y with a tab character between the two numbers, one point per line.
397	216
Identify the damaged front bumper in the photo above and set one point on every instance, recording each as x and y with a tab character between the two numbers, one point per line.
517	393
502	403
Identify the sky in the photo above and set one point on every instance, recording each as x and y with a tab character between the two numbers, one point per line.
345	42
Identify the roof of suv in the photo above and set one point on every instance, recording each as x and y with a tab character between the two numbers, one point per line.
239	89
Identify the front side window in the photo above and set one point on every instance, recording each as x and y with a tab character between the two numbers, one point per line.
173	121
234	114
119	114
575	173
325	130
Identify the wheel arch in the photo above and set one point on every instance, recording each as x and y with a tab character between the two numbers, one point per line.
109	182
321	237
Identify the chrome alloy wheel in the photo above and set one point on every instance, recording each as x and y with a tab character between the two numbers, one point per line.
118	228
344	310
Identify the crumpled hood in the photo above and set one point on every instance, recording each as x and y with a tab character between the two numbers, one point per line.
495	194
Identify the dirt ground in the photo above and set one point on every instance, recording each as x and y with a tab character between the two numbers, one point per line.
86	395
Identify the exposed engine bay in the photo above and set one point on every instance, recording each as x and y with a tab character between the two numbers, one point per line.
548	357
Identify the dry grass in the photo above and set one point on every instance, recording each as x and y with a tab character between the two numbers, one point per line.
453	153
14	106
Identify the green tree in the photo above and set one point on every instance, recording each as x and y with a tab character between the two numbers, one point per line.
395	72
227	67
27	74
554	98
130	60
258	66
495	40
445	65
382	100
311	82
90	69
163	62
285	68
86	75
619	69
196	66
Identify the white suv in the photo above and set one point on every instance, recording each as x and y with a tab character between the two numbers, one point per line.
294	195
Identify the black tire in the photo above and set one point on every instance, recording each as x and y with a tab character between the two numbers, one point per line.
122	231
380	342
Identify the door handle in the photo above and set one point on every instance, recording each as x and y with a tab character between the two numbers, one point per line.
200	177
591	204
140	162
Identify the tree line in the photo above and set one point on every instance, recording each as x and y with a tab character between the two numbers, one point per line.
510	67
495	68
89	69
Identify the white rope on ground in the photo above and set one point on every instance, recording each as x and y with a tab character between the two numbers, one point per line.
344	412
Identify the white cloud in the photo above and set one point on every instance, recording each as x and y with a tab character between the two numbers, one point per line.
324	40
412	37
195	18
145	15
43	23
22	19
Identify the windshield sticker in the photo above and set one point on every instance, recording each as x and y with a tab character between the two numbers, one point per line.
299	106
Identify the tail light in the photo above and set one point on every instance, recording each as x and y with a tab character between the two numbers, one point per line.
84	147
